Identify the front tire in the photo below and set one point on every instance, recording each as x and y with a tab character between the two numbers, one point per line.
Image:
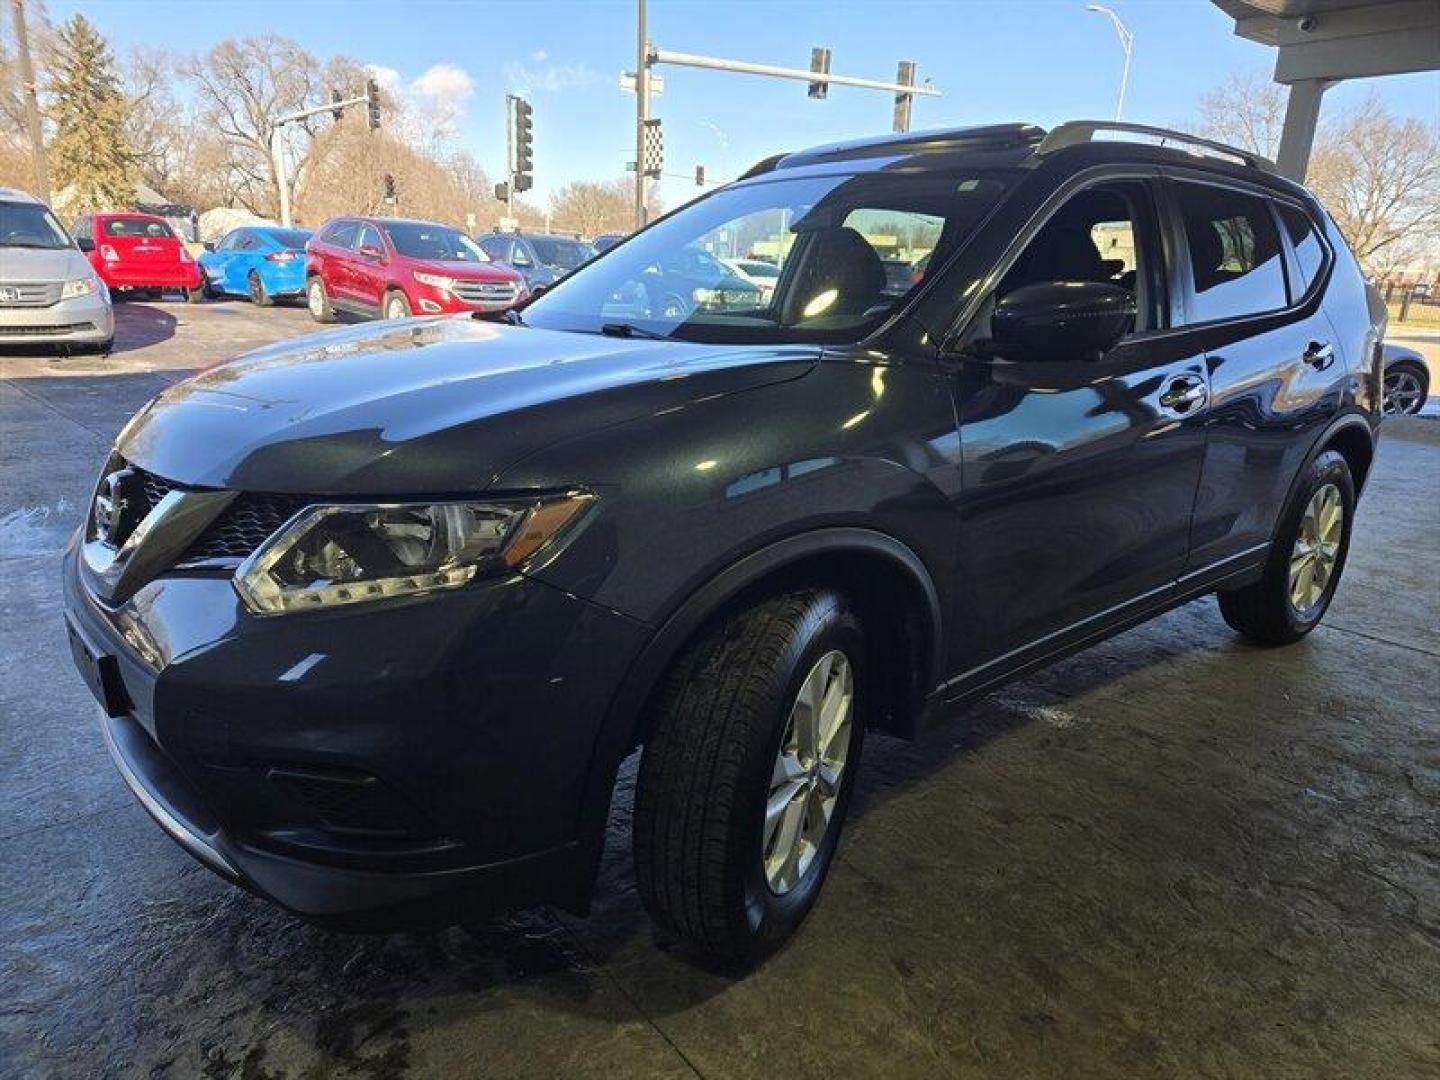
747	774
397	305
1306	559
1406	387
318	301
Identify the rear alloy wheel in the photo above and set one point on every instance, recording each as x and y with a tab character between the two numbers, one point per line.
318	301
1406	388
1306	559
396	305
258	296
197	295
747	774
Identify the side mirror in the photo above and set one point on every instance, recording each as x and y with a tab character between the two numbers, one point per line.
370	251
208	245
1061	320
85	243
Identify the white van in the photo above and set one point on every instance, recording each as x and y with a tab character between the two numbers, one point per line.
49	292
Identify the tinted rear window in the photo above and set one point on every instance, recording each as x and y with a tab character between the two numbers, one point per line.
566	254
139	227
290	238
1234	253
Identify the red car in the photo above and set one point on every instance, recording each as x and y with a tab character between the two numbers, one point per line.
390	268
138	253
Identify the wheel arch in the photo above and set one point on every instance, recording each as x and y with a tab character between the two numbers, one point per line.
1352	436
898	604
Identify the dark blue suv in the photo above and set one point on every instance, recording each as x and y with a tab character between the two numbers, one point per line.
374	616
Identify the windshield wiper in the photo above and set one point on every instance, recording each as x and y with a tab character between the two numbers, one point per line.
620	329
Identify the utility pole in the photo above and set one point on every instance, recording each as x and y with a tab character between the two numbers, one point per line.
642	112
337	106
32	103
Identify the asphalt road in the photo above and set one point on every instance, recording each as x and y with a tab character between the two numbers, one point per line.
1173	855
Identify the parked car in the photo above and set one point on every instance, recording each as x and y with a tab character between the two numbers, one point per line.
541	259
605	241
138	255
262	262
375	617
49	293
763	275
391	268
680	283
1407	380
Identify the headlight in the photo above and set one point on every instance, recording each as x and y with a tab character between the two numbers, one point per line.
79	287
348	554
435	281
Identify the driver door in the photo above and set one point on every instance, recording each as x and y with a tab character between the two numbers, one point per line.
1080	471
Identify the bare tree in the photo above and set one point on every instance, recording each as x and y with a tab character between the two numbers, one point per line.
1377	174
241	87
589	207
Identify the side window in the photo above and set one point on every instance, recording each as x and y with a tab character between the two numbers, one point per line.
228	244
341	234
902	239
497	247
1310	250
370	237
1235	258
1103	235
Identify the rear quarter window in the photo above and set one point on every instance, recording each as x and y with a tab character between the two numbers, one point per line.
1310	251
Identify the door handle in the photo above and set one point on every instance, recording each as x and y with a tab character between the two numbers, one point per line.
1184	395
1319	355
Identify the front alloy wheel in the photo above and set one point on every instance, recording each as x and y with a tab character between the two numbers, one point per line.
1404	392
805	782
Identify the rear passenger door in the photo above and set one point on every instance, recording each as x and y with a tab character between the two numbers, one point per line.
1252	278
1079	476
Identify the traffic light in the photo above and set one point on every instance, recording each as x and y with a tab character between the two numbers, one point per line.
820	64
502	192
524	145
699	175
335	98
390	188
372	104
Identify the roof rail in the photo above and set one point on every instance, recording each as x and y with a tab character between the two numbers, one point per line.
1076	132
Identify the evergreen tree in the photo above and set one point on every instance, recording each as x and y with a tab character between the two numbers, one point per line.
88	110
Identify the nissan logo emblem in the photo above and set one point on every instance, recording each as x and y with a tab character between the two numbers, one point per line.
111	516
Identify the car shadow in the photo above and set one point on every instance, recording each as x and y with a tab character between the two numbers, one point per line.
137	326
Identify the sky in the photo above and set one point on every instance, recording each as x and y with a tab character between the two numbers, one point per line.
1041	61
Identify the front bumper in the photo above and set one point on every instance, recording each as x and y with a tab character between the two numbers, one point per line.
85	320
378	767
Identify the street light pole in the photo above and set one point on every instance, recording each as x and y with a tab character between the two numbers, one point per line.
1127	42
724	145
32	104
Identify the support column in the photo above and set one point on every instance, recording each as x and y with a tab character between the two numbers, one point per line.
1302	114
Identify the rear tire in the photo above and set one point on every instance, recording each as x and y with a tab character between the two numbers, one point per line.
195	295
1285	604
258	296
736	823
318	301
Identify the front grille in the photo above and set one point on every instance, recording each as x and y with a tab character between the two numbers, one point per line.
246	523
38	294
487	292
46	329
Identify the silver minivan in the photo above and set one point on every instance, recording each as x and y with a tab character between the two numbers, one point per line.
49	292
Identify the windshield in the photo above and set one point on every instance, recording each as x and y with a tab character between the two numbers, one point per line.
562	254
438	243
30	225
845	249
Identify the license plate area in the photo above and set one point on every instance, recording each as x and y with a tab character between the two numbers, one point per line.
100	672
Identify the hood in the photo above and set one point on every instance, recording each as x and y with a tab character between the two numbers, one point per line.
36	265
472	271
423	406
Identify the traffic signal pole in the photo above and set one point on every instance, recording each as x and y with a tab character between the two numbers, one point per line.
370	99
818	76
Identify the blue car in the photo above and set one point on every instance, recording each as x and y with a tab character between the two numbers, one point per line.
262	262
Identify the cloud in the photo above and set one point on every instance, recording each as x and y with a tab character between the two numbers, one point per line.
433	105
539	76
